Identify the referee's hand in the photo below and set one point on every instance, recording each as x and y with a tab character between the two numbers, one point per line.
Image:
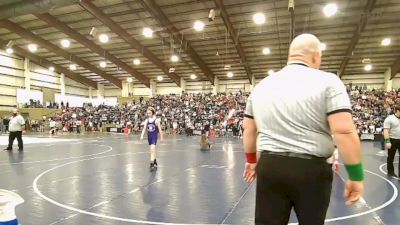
249	174
353	191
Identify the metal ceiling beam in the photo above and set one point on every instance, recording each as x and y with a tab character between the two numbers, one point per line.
53	21
234	36
395	68
13	27
356	35
45	63
134	21
121	32
157	13
32	6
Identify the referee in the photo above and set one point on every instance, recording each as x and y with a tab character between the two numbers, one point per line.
290	118
391	134
16	128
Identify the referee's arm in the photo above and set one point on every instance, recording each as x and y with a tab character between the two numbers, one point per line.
250	143
250	130
249	135
345	135
386	133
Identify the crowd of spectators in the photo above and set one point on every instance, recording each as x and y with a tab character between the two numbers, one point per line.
37	104
371	107
192	113
188	114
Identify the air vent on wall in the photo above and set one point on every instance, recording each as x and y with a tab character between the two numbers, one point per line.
366	61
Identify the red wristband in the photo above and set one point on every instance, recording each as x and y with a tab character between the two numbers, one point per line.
251	157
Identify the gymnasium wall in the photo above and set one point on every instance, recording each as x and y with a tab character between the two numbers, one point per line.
172	88
168	88
12	77
396	83
110	91
370	80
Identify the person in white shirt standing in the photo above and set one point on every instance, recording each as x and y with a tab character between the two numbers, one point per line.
16	128
391	134
53	128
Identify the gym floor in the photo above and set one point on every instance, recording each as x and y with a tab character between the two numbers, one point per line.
105	179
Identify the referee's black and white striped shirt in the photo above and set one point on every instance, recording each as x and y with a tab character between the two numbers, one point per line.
290	109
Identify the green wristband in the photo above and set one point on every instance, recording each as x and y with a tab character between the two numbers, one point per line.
356	172
387	140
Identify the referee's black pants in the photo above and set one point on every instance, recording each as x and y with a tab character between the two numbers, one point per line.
11	138
391	154
284	183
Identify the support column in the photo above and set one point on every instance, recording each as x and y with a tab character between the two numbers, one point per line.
130	88
153	88
100	91
216	85
27	75
388	82
62	86
90	93
253	82
124	90
183	85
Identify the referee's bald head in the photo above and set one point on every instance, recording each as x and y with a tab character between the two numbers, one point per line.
306	48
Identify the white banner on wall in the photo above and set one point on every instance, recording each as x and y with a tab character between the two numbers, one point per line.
74	101
24	96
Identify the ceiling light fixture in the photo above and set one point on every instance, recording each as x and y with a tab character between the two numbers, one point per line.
368	67
72	67
103	64
103	38
330	9
65	43
174	58
51	69
32	47
386	42
199	26
229	74
193	76
9	50
130	80
160	78
148	32
136	62
259	18
266	51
